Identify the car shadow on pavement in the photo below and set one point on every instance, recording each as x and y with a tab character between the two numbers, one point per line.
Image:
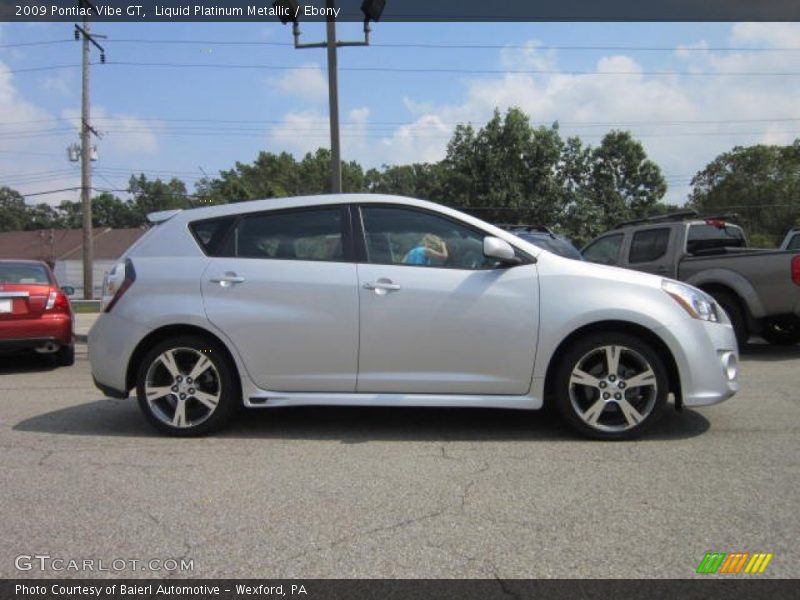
26	363
352	425
768	353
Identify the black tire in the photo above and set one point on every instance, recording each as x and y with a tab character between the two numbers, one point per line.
65	356
731	305
628	412
217	381
782	332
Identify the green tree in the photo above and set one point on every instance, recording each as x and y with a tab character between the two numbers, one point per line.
13	211
278	175
110	211
419	180
42	216
761	183
150	196
625	184
507	170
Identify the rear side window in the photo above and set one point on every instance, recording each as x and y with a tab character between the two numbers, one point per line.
211	233
705	237
24	274
649	245
605	250
794	243
292	235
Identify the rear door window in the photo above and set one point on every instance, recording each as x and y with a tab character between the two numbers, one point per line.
306	234
649	245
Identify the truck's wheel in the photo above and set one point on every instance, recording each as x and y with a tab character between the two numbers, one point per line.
611	386
730	304
782	332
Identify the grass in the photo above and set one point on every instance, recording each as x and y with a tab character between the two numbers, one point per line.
80	307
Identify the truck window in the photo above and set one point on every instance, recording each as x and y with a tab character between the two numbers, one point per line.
605	250
705	237
794	243
649	245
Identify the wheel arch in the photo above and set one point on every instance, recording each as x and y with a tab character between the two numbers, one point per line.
643	333
164	333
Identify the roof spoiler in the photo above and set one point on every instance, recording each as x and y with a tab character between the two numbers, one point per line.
162	215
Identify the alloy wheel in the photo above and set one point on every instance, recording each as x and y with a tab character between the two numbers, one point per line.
613	388
182	387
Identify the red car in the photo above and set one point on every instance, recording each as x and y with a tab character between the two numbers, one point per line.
35	313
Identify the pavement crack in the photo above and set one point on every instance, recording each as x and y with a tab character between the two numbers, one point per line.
471	482
46	455
359	534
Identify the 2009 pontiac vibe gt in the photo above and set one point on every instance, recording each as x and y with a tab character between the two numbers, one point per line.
384	301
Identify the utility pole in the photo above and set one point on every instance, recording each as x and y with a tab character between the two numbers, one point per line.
372	10
86	172
84	33
333	102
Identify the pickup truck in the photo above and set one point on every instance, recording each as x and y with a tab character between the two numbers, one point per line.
758	288
792	240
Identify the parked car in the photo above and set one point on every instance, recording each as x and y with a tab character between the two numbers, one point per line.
35	314
544	238
759	289
376	300
792	240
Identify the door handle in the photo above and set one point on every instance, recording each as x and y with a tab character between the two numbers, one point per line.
382	286
228	279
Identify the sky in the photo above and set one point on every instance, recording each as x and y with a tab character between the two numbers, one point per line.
687	91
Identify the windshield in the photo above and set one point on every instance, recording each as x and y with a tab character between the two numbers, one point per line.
555	245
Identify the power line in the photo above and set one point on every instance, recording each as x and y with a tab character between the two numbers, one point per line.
420	70
570	124
432	46
39	43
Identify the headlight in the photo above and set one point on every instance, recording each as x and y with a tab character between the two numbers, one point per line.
696	302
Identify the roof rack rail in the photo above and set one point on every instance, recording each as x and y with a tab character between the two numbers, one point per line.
680	215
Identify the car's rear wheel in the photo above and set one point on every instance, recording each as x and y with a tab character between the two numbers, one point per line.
65	356
611	386
186	386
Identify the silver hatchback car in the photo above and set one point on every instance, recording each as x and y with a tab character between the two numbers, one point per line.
384	301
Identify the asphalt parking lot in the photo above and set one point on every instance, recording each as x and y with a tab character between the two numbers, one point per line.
340	492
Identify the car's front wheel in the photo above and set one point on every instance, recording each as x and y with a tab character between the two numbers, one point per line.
186	386
611	386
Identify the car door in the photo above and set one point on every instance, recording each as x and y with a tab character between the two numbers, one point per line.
435	316
283	288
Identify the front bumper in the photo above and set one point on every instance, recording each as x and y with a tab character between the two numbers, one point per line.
704	353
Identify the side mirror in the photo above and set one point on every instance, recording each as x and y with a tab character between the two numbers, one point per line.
68	290
499	250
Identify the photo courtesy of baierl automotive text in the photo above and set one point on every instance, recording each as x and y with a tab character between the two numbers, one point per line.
368	298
